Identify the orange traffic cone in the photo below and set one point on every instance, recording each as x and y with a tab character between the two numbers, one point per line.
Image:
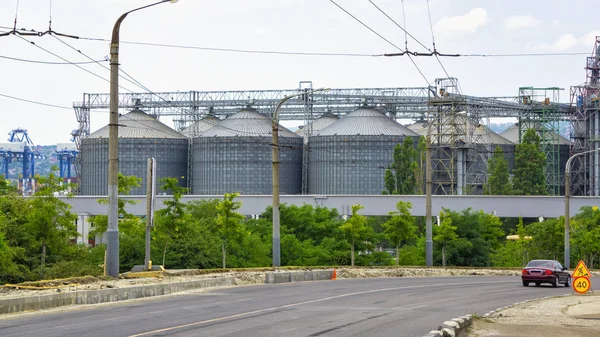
334	275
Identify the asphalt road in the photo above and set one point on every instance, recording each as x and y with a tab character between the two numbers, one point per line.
351	307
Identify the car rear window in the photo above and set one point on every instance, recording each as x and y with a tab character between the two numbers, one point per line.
541	264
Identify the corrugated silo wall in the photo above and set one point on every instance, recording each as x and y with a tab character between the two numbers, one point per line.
245	165
481	166
350	164
170	156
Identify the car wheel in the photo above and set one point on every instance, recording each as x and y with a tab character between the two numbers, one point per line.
554	283
537	284
525	284
568	283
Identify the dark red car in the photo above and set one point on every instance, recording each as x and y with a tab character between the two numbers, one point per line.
545	271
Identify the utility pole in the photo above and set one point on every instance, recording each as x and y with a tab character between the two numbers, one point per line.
150	194
112	233
275	183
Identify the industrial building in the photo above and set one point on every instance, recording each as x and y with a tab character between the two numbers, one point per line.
141	136
227	141
235	156
350	156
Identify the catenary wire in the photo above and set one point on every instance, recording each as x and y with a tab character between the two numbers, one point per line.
396	23
64	59
250	51
50	63
35	102
365	25
369	28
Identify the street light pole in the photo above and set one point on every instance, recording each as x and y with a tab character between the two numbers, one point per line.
275	133
112	233
567	257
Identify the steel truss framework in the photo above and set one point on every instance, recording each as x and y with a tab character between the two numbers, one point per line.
585	128
544	117
399	103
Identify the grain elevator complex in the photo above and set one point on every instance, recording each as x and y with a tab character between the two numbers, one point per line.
222	142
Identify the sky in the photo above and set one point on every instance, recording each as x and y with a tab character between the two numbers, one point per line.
318	26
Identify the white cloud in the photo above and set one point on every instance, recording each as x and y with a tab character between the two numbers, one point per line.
515	22
589	38
465	24
564	42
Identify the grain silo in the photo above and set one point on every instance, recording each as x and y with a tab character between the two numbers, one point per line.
319	124
236	156
140	137
350	156
200	126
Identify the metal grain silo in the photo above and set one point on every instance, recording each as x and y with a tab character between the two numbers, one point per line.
319	124
140	137
200	126
350	156
236	156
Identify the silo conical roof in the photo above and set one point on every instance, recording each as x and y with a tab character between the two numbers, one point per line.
138	124
246	123
320	123
366	122
200	126
512	134
421	127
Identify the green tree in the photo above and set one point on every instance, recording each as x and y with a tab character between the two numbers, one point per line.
444	234
400	178
355	227
529	176
50	220
420	167
498	181
228	221
128	223
586	236
171	219
400	227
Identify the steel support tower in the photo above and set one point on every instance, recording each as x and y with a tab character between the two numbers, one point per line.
544	116
585	128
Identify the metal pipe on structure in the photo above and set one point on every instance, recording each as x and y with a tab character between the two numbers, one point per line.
567	257
112	233
275	133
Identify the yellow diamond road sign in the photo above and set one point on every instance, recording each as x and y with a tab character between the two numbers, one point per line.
581	270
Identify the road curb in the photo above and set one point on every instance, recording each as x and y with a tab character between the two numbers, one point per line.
39	302
455	327
452	328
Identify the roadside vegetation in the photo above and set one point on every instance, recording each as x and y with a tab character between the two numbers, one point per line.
38	234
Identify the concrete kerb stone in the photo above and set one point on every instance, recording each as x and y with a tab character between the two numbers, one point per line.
452	328
40	302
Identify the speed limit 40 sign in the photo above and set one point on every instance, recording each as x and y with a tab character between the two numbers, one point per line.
582	284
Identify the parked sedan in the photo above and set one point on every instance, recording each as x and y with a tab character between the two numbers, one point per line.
545	271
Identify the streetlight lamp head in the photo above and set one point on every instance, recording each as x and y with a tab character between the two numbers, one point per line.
172	1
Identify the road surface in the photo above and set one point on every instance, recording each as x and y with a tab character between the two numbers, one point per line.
344	307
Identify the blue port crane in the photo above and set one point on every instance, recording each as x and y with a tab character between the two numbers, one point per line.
66	154
19	149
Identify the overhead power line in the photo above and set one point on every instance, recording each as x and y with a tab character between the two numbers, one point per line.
294	53
36	102
402	52
47	62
